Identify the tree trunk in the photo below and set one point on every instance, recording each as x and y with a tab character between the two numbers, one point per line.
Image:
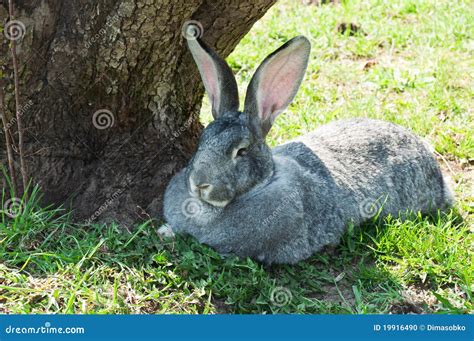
111	97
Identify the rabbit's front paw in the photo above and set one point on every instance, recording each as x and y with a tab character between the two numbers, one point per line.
165	231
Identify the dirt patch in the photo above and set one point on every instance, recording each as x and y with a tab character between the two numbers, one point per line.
415	300
460	178
320	2
453	169
405	308
349	28
369	64
220	306
339	293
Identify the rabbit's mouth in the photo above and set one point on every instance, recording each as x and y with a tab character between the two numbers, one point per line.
209	198
220	204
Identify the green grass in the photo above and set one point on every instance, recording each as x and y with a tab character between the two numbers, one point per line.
411	65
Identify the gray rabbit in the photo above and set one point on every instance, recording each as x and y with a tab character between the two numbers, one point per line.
281	205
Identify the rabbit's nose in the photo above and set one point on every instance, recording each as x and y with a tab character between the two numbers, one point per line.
199	189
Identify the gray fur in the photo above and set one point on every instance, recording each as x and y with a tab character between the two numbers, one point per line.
282	205
224	95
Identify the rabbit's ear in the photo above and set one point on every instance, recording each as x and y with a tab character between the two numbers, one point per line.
217	77
276	81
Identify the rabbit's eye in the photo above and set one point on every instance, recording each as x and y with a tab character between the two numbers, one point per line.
242	152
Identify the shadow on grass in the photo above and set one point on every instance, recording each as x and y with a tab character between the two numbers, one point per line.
42	243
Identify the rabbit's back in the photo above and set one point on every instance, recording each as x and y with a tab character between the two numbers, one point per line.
378	164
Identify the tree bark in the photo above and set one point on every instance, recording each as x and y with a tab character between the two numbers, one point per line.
111	97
